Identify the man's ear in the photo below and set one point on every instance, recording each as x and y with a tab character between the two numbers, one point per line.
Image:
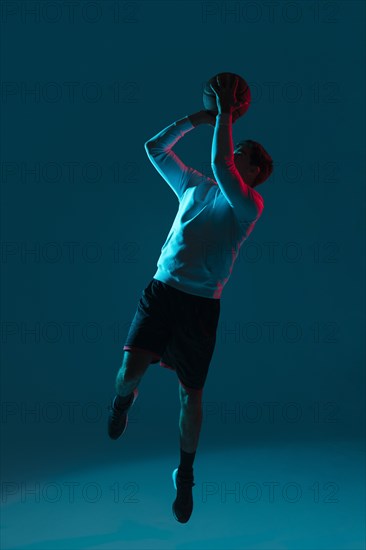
255	170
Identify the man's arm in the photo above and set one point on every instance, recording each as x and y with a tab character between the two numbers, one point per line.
167	163
246	202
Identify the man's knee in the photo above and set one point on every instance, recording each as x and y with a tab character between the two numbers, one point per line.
190	397
135	362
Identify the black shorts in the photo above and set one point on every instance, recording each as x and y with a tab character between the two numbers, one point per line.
179	328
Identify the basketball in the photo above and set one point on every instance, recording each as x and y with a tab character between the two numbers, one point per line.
242	94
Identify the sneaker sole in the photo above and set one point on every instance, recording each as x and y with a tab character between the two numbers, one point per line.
174	477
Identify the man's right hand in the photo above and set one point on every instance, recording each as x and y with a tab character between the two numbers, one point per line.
203	117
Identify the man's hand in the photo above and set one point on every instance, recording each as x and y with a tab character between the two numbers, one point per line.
203	117
225	91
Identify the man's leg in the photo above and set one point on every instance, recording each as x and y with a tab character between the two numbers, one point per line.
190	419
189	424
134	366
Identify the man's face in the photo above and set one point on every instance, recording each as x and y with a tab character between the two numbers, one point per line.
242	162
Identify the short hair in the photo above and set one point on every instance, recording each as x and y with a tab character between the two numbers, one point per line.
258	157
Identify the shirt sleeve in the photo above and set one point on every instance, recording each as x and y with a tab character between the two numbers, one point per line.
159	150
246	203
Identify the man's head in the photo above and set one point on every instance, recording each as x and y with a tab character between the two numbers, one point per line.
252	162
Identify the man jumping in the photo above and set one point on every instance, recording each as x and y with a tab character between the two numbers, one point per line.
177	315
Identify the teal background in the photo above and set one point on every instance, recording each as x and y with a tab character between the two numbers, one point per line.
301	271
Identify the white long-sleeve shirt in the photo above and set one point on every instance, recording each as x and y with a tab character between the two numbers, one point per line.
214	218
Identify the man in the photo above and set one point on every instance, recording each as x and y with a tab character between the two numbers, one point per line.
177	315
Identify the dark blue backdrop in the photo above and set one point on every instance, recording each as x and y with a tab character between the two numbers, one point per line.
85	215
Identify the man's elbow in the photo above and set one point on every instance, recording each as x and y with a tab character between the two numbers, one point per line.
149	148
152	148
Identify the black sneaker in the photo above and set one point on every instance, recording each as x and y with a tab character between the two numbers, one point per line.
183	504
118	418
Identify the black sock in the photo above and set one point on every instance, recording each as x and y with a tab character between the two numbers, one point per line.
121	401
186	462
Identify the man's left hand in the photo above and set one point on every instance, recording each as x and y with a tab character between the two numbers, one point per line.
225	90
